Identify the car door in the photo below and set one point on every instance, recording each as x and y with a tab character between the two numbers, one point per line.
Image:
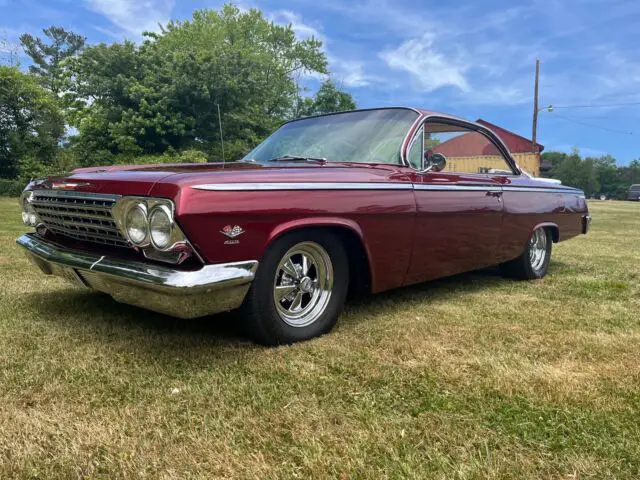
459	208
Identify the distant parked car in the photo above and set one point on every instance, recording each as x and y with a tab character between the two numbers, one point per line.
634	192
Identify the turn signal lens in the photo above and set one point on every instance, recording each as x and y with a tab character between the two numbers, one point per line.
160	226
136	224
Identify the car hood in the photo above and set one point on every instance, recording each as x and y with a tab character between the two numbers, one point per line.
166	180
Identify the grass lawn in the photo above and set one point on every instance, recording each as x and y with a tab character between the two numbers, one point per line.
474	376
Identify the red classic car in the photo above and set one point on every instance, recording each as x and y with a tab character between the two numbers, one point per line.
365	200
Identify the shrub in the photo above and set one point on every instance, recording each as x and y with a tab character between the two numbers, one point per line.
11	188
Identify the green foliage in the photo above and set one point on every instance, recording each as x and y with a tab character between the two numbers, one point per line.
186	156
11	188
49	58
595	175
328	99
163	96
31	124
577	172
157	101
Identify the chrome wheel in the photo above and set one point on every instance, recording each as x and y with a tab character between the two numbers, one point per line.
303	283
538	248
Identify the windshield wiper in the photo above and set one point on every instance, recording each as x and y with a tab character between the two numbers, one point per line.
298	158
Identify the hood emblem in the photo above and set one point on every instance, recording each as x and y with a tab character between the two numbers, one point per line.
232	232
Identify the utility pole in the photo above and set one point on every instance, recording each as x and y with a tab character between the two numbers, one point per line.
535	113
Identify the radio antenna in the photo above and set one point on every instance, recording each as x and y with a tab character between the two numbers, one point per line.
221	139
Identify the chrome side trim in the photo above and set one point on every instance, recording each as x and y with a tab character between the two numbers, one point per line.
508	188
184	294
459	188
259	186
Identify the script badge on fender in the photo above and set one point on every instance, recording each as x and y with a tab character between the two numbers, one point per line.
232	232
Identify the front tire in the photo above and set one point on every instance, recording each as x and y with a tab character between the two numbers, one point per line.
299	289
534	261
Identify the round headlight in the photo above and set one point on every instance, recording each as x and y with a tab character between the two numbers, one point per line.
160	226
29	216
136	224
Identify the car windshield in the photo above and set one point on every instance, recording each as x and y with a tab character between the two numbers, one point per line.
370	136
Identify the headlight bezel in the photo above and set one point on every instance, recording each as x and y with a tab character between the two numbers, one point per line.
120	210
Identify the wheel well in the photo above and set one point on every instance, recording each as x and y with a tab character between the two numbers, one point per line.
555	233
359	268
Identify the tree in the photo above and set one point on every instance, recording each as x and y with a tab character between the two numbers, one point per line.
49	58
608	175
31	124
163	96
576	172
328	99
630	175
553	158
9	52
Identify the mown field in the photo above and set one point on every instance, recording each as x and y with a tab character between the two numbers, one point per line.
469	377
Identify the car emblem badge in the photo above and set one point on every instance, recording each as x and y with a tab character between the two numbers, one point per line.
232	232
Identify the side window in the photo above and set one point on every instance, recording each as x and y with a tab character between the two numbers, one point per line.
415	151
465	150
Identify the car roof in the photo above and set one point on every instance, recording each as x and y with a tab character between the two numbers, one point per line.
419	111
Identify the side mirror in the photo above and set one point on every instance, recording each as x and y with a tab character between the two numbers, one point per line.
434	162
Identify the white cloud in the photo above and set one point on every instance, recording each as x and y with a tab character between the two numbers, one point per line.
345	72
134	16
301	29
430	68
351	73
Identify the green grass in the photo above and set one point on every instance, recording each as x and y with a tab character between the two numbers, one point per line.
469	377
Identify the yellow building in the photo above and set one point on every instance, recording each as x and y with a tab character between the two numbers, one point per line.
472	152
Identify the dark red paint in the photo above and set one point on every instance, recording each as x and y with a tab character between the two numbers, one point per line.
409	235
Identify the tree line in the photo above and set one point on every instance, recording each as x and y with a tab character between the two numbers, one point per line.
157	100
595	175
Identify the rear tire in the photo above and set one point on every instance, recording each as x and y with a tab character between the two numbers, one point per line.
299	289
534	261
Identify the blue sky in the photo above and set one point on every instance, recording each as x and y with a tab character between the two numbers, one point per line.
474	59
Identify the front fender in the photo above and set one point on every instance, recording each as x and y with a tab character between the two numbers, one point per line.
315	222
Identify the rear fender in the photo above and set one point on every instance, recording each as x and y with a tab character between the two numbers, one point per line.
555	230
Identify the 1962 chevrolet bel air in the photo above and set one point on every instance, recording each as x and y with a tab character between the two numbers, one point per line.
363	200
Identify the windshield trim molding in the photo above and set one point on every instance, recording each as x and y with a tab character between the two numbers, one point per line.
415	110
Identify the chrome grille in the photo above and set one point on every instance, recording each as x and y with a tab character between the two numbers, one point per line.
81	216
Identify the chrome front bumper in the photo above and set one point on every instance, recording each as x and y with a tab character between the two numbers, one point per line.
183	294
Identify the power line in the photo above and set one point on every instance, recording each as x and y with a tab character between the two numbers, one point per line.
592	125
600	105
